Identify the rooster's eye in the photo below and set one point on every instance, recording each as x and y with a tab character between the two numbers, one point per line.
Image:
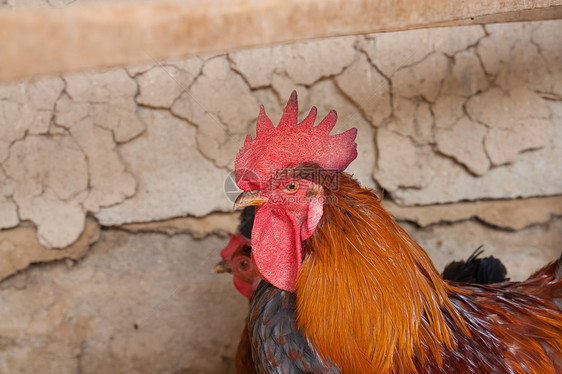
244	264
292	187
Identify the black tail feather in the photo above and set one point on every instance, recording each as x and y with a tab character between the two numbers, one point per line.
476	270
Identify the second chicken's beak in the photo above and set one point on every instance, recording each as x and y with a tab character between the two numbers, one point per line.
249	198
222	267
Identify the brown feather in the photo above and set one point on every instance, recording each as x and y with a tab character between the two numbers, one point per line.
243	360
369	298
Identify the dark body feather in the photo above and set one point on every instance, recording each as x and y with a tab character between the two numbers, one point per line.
505	331
278	346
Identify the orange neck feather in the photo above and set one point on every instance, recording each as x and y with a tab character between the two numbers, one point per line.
368	296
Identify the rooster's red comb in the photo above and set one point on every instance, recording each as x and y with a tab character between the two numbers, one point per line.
292	143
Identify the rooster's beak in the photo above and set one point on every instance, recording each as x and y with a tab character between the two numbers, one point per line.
222	267
249	198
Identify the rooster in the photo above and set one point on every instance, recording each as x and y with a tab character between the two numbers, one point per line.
366	297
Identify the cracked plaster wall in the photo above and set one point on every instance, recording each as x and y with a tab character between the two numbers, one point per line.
461	127
470	113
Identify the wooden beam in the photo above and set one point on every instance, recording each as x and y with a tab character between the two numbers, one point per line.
52	41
